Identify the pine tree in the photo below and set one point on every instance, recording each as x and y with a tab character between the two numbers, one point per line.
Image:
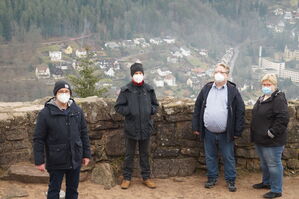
85	82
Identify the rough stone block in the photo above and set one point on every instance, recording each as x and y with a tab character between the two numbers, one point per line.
103	174
192	152
115	144
16	134
165	136
244	140
26	173
246	153
252	164
290	153
166	152
173	167
293	164
183	130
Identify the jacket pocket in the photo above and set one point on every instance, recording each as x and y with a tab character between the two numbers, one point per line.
57	154
78	150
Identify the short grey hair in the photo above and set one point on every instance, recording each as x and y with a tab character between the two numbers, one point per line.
226	67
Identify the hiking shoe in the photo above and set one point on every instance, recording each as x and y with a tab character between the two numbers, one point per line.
210	183
231	186
261	186
272	195
125	184
149	183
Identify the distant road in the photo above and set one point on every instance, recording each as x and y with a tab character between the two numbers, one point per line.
233	60
69	39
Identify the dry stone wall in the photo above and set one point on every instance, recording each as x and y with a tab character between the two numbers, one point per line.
175	151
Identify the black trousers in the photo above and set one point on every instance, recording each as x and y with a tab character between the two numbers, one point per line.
143	146
72	177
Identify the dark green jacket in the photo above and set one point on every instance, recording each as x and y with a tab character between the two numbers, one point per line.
137	104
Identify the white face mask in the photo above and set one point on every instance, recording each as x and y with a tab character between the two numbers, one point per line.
63	97
219	77
138	78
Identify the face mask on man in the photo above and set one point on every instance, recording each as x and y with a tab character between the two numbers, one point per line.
63	97
219	77
138	78
267	90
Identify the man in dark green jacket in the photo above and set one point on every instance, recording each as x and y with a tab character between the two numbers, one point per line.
137	102
61	143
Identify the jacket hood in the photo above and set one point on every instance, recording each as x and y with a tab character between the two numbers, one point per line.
54	107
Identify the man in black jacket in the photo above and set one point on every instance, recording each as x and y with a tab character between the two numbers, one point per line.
219	118
61	143
137	102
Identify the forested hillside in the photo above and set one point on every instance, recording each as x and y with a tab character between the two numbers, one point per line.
202	22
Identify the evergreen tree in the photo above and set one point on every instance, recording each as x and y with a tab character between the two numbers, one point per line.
85	82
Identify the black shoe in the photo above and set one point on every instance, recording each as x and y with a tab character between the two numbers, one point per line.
261	186
231	186
272	195
210	183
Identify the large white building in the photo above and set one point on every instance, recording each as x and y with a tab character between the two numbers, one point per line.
294	75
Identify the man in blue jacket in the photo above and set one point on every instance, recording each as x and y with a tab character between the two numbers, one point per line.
61	143
219	118
137	102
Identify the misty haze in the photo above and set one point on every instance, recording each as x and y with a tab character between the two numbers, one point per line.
178	42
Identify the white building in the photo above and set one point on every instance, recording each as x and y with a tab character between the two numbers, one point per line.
184	52
172	60
139	41
169	40
288	15
111	45
203	52
159	82
178	54
55	55
156	41
294	75
42	72
81	53
266	64
110	72
163	73
189	82
170	80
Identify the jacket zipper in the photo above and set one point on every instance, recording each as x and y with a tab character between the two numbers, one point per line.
139	115
69	137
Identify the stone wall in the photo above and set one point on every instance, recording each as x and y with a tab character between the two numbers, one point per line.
175	151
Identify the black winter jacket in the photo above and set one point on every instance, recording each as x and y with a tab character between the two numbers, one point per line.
60	138
271	114
137	104
235	106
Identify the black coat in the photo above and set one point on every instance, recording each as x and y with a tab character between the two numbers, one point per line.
271	114
235	106
137	104
60	138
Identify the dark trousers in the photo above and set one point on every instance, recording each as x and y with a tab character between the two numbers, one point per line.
143	146
72	181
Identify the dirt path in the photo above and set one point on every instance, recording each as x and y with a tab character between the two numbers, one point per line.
190	188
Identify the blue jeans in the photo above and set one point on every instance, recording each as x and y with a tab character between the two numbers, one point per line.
72	181
271	165
212	143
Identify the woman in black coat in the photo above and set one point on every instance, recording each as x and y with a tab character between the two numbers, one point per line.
269	133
